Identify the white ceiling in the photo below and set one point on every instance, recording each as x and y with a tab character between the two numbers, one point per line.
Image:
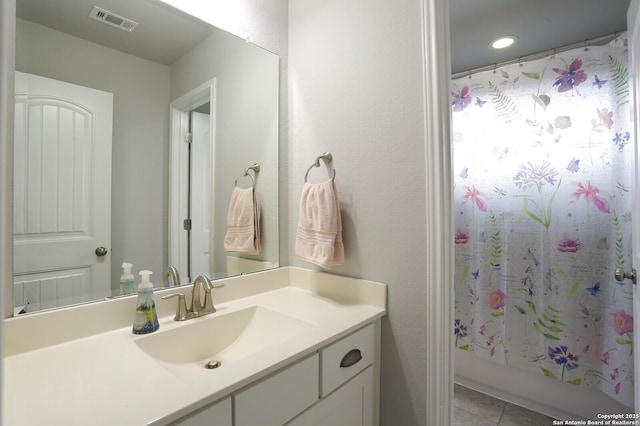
540	25
163	33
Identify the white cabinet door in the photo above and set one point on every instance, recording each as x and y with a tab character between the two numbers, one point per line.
280	397
349	405
216	414
62	192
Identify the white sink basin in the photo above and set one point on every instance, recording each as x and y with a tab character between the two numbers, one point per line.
223	337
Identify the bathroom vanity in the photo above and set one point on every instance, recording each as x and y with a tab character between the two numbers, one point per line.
286	346
316	384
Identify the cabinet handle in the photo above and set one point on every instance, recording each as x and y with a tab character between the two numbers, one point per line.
351	358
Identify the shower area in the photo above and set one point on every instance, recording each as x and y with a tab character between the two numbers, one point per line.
543	171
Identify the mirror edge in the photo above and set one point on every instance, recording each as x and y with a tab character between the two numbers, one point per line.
7	62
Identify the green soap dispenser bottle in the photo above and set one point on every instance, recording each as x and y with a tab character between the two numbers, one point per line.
146	320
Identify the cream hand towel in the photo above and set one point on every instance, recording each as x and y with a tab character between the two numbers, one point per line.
319	236
243	222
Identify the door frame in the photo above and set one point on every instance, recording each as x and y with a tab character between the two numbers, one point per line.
633	33
179	168
439	212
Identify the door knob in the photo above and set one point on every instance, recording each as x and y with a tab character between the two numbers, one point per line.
621	275
101	251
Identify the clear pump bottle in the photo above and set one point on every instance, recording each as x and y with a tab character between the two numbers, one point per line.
127	283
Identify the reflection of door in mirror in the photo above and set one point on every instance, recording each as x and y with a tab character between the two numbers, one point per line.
62	205
200	194
191	171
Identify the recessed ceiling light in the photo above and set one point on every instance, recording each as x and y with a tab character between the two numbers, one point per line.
502	42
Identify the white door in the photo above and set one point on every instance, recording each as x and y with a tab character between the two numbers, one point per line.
201	194
62	192
633	33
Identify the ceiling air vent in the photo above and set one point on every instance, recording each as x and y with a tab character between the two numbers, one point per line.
112	19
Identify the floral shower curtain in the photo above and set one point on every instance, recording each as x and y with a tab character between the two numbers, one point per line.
543	162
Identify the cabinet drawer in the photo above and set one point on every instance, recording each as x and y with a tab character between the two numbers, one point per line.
346	358
280	397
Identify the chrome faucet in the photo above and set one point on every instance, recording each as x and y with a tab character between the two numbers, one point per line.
172	272
197	308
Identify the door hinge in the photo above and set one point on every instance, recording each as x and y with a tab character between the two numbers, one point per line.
188	138
187	224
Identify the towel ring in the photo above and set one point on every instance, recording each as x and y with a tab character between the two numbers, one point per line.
256	169
327	158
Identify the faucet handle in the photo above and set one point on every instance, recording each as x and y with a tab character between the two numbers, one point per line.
181	309
208	302
208	299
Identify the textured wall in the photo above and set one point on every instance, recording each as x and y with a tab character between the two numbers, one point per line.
355	89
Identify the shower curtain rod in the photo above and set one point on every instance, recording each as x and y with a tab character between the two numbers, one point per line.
549	52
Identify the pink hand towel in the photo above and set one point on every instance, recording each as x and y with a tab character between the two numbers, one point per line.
319	236
243	222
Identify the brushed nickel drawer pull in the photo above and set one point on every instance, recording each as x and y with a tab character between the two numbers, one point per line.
351	358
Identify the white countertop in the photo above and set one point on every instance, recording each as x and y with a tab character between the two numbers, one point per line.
106	379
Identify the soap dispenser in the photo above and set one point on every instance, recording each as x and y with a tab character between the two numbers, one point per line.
127	284
146	320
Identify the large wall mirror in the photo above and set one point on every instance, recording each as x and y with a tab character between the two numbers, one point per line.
104	174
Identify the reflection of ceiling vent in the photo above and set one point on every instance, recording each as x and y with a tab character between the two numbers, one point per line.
112	19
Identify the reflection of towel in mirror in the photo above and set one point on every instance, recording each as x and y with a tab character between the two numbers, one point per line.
243	222
319	237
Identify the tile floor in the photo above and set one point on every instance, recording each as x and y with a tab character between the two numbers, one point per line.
478	409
